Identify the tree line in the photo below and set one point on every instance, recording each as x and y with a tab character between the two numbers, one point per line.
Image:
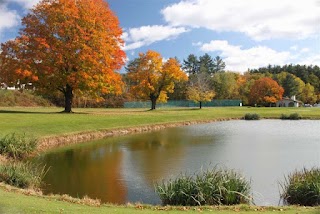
75	48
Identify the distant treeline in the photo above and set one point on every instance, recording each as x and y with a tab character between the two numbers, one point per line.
308	74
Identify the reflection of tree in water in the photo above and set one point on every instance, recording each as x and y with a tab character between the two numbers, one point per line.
154	152
96	170
92	171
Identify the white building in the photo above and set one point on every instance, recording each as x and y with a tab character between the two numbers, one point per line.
289	102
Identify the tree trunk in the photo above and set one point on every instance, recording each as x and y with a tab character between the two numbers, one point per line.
153	102
68	96
200	105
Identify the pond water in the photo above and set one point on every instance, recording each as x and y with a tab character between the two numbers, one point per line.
124	169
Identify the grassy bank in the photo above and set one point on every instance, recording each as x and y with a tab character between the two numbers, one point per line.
43	122
36	204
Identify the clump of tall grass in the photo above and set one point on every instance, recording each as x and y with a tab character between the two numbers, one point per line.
22	175
252	116
210	187
302	187
293	116
17	146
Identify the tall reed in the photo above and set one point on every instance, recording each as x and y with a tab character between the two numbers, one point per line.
302	187
17	146
209	187
22	175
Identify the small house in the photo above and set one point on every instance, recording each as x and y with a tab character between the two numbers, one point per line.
289	102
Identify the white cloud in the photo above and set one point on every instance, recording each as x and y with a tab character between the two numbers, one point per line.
294	48
197	43
238	59
310	60
8	19
304	50
146	35
259	19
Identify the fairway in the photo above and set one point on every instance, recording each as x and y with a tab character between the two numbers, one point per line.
48	122
35	204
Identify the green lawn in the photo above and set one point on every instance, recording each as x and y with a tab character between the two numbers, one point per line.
46	122
43	122
12	203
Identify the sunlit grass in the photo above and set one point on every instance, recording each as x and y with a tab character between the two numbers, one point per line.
40	122
13	202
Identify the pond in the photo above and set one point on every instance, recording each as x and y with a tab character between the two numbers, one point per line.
125	169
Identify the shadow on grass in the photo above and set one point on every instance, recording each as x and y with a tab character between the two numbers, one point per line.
175	109
37	112
130	111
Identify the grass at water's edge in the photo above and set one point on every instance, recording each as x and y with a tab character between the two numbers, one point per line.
48	122
13	202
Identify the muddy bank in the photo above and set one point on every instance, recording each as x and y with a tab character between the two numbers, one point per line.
59	141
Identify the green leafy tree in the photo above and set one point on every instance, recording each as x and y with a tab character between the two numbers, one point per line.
226	85
191	64
308	94
206	64
290	86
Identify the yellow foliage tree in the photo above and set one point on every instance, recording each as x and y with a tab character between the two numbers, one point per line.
152	79
199	90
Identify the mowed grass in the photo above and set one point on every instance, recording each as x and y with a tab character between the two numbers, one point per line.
18	203
44	122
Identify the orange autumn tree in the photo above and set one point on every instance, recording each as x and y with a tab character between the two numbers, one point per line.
265	91
152	79
67	46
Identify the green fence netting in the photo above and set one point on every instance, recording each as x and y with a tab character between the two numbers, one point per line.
183	103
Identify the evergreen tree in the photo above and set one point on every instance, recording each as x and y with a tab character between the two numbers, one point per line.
219	65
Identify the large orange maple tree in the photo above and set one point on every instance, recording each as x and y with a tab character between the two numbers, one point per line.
265	91
67	45
152	79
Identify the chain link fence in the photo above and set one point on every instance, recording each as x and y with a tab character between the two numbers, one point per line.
183	103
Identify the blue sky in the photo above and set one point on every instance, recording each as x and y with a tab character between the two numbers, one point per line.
245	33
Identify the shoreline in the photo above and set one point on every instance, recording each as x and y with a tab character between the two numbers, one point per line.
48	143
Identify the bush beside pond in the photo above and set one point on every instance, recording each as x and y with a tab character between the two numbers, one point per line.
210	187
17	146
294	116
302	187
22	175
252	116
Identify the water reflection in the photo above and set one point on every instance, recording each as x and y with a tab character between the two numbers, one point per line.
95	172
124	169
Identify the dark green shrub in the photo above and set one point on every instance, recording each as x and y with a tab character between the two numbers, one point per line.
293	116
17	146
302	187
22	175
210	187
250	116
